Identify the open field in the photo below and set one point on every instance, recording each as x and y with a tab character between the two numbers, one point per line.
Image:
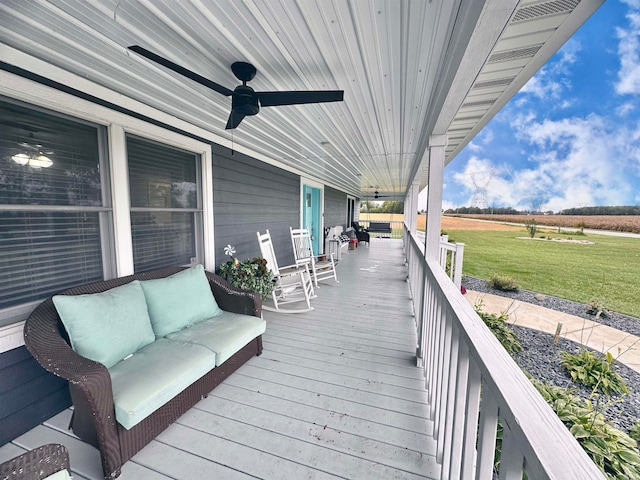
616	223
606	271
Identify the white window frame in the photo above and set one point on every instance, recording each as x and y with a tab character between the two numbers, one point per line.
119	124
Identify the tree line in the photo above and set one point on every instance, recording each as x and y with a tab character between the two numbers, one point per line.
605	210
389	206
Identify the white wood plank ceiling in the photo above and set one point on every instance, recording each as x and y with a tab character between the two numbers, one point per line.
409	69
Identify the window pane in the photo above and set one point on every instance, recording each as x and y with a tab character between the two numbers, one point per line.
47	160
42	253
161	239
160	176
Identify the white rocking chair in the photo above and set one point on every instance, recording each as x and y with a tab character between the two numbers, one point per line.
303	253
293	282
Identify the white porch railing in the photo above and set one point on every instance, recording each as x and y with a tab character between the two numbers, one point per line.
473	383
451	255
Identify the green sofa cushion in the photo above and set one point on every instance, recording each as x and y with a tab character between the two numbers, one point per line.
154	375
59	475
181	299
224	334
106	326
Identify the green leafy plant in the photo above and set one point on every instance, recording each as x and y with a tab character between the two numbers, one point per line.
252	274
594	371
504	283
634	431
612	450
596	307
498	325
532	227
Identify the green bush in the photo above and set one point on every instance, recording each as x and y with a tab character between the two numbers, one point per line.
594	371
252	275
612	450
504	283
498	325
532	227
596	307
634	431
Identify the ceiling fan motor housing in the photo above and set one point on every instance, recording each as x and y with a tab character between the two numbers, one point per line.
244	101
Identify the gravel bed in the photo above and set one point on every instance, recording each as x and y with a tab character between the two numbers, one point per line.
541	358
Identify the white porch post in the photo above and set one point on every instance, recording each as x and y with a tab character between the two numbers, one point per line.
411	207
437	144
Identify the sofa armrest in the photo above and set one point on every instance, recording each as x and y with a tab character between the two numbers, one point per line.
89	382
234	299
36	464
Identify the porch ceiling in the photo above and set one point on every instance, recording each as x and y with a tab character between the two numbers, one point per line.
409	69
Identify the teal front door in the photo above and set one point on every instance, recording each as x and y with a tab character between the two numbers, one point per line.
312	216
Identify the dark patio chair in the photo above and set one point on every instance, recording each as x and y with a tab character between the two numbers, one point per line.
361	233
37	464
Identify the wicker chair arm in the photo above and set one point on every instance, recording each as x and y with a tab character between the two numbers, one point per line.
36	464
90	382
234	299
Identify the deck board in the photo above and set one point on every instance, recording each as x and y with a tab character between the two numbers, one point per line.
336	394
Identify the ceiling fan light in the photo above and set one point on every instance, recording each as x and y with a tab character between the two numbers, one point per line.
20	158
41	161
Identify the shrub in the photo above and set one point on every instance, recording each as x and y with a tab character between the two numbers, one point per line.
634	431
504	283
252	275
612	450
596	307
532	227
594	371
498	325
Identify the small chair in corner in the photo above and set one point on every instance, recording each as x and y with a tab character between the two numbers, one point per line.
361	233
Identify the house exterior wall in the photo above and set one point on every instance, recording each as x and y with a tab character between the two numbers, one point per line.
335	208
250	196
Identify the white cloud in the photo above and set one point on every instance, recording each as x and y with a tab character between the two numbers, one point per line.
574	162
625	109
628	50
551	82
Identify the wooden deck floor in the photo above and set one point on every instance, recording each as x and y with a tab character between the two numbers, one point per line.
334	395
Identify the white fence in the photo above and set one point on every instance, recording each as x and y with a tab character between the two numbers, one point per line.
473	384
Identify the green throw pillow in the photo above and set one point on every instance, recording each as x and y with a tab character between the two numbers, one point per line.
181	299
107	326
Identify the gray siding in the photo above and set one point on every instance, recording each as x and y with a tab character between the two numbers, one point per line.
335	208
251	196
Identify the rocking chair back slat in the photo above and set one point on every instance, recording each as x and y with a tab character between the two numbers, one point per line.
303	253
292	283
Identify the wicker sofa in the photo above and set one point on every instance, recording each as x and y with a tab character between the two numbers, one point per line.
90	382
47	462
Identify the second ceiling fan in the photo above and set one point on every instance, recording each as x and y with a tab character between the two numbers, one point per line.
245	100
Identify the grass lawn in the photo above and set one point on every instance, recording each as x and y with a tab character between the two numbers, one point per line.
608	271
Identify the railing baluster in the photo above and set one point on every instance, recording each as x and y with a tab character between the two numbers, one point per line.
511	458
459	414
471	417
443	386
487	434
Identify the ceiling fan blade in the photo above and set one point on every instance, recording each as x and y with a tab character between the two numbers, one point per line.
272	99
181	70
234	120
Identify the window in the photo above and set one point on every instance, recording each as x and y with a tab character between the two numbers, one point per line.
166	205
54	211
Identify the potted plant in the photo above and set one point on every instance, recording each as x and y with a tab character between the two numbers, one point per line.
252	274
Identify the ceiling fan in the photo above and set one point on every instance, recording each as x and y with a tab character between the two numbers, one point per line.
245	100
377	195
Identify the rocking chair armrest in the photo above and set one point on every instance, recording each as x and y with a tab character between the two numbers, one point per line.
290	270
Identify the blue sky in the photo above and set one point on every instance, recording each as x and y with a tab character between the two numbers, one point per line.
571	136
